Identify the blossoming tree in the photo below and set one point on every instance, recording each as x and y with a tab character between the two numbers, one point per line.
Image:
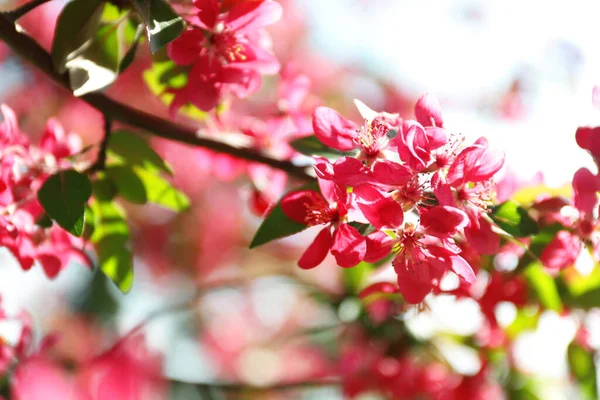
197	116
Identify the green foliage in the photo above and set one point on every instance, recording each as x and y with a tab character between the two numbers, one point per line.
64	196
311	146
159	191
125	147
134	169
514	219
354	278
278	225
544	286
111	239
526	319
103	188
44	222
363	229
139	186
583	369
76	24
91	42
129	185
163	24
130	54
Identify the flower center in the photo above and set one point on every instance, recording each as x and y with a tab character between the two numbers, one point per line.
372	137
318	212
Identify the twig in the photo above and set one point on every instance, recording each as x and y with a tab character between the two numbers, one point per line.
24	9
248	388
100	162
30	50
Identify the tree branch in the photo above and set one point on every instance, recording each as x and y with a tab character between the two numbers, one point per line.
30	50
24	9
247	388
100	162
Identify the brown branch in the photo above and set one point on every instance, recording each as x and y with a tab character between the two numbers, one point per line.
100	163
24	9
247	388
30	50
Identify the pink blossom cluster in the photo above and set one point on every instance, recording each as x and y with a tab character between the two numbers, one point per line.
23	169
421	190
127	370
578	217
227	49
365	368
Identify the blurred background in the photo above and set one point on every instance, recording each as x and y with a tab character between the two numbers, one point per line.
518	72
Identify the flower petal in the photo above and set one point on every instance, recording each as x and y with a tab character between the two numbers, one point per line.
475	163
186	48
428	111
333	130
562	251
585	186
208	11
379	246
443	221
381	211
349	171
390	173
349	246
317	251
483	239
249	16
297	205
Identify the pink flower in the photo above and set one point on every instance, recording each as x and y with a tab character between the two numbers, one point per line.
467	185
336	132
428	111
565	248
24	168
226	50
424	252
309	207
128	371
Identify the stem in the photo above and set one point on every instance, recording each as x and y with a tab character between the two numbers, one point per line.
247	388
100	163
30	50
24	9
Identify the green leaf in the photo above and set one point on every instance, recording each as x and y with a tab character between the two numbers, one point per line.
138	186
129	185
278	225
363	229
161	192
103	188
130	55
544	286
514	219
311	146
525	320
355	278
44	221
64	196
111	238
128	148
97	62
583	369
163	24
76	25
